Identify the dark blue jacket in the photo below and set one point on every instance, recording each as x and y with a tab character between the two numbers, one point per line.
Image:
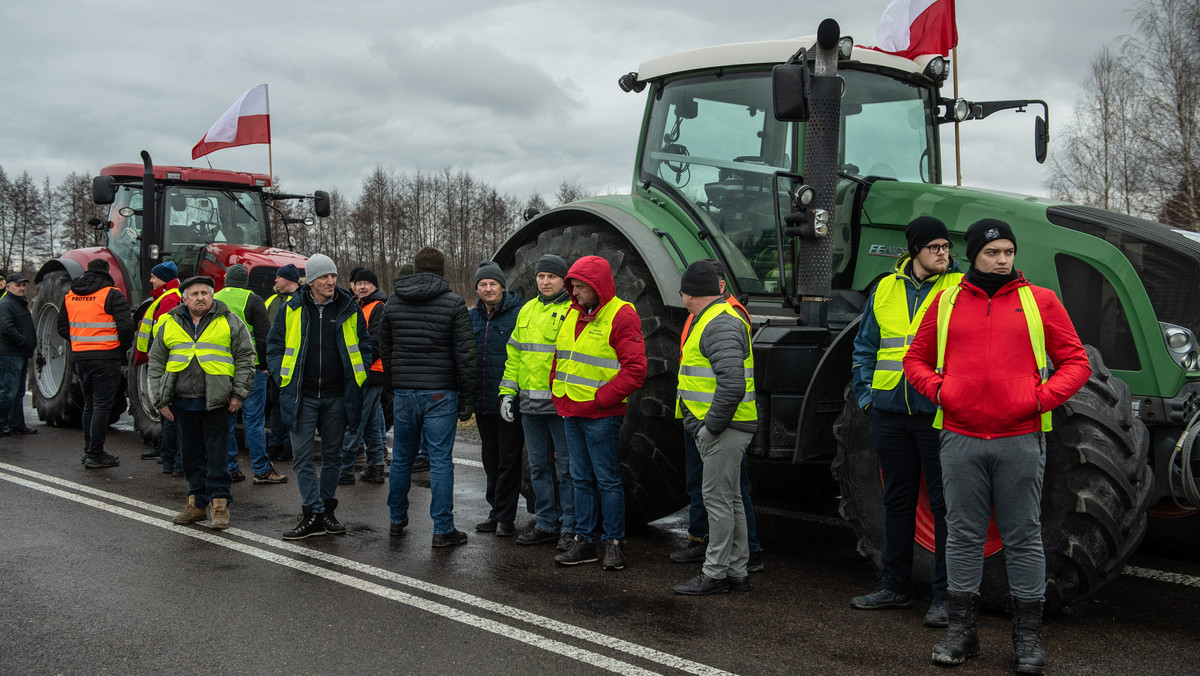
17	336
342	306
491	338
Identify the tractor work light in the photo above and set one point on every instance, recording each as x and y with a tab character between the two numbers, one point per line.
953	110
804	195
1182	345
629	83
937	70
845	47
153	252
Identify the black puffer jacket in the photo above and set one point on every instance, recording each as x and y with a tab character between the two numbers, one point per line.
115	304
17	336
425	338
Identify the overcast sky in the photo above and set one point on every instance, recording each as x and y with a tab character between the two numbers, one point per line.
523	95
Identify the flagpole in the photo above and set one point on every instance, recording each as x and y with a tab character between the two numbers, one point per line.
957	147
271	168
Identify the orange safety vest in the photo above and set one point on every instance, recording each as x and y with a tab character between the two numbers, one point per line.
91	327
376	365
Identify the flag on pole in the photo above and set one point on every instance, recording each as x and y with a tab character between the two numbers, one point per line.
247	121
909	28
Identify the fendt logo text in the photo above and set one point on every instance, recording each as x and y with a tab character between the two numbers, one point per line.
885	250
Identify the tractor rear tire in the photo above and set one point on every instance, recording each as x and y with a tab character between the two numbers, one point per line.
56	392
651	440
1094	496
146	420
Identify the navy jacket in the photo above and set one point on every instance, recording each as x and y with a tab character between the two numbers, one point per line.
491	338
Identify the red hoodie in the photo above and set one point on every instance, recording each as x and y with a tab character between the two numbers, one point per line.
169	303
990	385
626	339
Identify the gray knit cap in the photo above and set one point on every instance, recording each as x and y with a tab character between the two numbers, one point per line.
319	265
489	270
237	276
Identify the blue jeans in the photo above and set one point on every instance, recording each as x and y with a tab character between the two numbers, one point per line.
370	428
693	469
594	468
428	419
202	436
550	473
13	372
330	415
253	410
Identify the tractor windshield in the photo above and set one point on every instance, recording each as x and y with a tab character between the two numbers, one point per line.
714	142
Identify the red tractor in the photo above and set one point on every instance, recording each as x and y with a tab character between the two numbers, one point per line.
204	220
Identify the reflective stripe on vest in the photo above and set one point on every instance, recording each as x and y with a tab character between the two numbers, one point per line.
588	362
530	353
896	328
1037	340
211	350
698	380
146	326
376	365
291	339
91	328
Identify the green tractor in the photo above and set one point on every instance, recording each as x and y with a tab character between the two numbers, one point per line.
797	163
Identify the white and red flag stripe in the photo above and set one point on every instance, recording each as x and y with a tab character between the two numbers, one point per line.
909	28
247	121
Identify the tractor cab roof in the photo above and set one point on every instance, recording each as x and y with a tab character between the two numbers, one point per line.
189	174
765	53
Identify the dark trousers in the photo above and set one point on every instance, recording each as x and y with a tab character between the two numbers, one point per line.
501	443
100	380
907	445
168	445
279	437
204	441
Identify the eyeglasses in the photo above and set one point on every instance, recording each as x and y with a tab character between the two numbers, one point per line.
937	248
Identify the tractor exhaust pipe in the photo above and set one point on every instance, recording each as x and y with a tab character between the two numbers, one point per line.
149	249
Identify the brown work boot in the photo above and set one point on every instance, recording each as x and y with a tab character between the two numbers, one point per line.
219	513
191	513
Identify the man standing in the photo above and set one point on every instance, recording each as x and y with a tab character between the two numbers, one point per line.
279	444
318	350
17	341
96	321
530	358
249	307
200	368
982	353
164	283
371	424
600	359
716	401
428	352
901	419
493	319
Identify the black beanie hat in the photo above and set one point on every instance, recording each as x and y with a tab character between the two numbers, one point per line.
237	276
355	272
489	270
555	265
429	259
922	230
365	275
986	230
700	279
98	265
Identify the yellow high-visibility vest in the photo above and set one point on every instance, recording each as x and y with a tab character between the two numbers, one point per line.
212	349
530	350
146	326
291	349
586	363
698	381
896	328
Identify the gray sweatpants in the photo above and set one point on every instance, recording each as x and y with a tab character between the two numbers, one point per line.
721	487
1005	474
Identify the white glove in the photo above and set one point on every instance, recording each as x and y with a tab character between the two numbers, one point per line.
506	408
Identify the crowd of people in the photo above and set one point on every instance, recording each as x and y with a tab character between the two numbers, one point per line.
951	367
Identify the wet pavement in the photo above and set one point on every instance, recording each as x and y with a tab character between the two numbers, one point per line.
97	579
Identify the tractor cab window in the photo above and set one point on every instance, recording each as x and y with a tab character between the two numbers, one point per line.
196	217
888	129
125	232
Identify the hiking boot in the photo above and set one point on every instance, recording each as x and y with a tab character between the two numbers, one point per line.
564	541
374	474
270	477
702	585
167	469
22	430
151	454
360	459
536	537
939	613
961	639
505	529
101	461
738	584
420	463
692	552
191	513
881	599
310	524
578	551
614	558
218	513
332	525
346	479
755	564
454	537
1028	655
177	473
397	529
236	475
487	526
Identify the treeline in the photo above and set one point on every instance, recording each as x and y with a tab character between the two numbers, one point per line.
39	220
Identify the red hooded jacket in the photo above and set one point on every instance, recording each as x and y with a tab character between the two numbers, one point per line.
990	386
626	339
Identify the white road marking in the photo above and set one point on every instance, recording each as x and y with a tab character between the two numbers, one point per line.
550	645
1162	576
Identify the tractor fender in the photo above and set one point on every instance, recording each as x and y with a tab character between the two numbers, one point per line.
74	263
665	265
814	437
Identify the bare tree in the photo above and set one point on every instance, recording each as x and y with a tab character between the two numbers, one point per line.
569	192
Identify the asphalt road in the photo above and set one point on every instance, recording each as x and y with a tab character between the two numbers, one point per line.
96	579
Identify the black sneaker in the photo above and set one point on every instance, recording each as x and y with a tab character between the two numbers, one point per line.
564	541
487	526
332	525
310	525
101	461
614	558
693	552
755	565
738	584
150	454
454	537
374	474
579	551
505	529
236	475
346	479
536	537
702	585
420	463
23	430
397	529
881	599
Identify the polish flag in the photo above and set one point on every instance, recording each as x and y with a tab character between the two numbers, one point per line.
909	28
247	121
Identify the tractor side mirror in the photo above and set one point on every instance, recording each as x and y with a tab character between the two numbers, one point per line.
321	203
1041	139
790	87
104	189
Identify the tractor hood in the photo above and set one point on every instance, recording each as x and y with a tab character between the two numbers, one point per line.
261	262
